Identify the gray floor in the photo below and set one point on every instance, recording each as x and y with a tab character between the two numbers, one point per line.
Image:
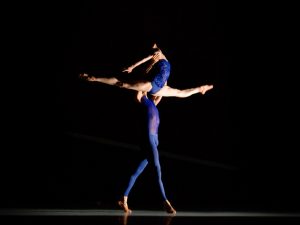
139	217
146	213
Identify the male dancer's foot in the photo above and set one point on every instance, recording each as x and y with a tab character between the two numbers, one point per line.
123	204
168	207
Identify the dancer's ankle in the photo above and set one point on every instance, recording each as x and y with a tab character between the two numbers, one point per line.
168	207
123	204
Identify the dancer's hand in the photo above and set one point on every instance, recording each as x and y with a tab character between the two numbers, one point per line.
128	70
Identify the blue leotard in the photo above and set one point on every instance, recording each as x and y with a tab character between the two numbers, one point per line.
159	75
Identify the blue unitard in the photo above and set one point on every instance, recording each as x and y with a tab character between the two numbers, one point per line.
159	75
149	145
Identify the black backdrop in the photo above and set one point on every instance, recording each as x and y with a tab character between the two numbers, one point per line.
68	143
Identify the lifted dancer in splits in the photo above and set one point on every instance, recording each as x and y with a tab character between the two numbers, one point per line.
155	82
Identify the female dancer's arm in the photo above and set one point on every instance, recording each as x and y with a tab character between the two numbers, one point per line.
155	56
130	68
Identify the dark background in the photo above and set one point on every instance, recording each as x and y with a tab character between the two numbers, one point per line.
69	143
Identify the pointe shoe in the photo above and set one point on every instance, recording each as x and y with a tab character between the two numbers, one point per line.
168	207
123	204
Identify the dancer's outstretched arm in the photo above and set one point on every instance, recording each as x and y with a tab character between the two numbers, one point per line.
130	68
155	56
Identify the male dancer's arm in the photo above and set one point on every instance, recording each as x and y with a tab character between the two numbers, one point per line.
156	99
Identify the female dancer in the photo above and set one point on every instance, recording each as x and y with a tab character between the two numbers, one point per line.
155	82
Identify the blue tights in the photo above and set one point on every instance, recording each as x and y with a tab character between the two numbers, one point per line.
154	158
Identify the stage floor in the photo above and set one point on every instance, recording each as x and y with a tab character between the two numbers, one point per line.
142	217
